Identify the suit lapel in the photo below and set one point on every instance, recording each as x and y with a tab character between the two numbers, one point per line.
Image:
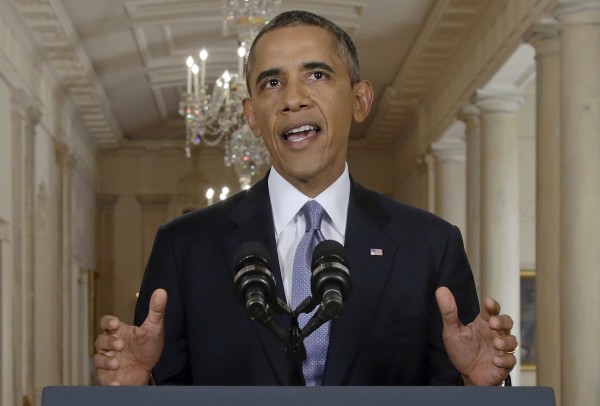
254	219
369	274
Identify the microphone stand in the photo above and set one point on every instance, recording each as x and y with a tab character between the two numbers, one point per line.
294	340
296	352
295	347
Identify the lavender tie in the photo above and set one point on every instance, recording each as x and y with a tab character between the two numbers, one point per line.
316	343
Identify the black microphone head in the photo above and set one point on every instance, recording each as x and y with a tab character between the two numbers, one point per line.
254	285
328	250
251	251
330	270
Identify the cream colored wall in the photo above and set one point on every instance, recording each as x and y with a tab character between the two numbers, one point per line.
413	187
412	169
372	168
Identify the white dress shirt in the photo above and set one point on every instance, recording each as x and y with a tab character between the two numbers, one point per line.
290	226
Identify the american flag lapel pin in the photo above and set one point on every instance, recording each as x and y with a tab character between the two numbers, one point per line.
377	251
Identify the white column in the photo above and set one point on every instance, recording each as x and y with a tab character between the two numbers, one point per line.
470	116
450	182
500	267
545	40
580	201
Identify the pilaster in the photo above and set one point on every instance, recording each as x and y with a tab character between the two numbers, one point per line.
105	254
65	162
6	317
25	118
154	208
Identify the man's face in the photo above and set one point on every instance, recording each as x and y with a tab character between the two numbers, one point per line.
303	105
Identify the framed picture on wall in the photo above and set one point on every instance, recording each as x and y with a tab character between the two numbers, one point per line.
527	346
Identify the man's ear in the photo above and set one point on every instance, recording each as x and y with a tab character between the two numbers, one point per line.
250	117
363	99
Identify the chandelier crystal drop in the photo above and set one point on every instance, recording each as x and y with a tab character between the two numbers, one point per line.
215	118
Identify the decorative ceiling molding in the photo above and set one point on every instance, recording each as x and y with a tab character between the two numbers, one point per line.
57	39
460	47
160	11
346	14
480	57
448	24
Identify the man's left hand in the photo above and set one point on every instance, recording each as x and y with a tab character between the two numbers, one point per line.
483	350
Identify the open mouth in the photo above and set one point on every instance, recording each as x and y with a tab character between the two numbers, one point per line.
301	133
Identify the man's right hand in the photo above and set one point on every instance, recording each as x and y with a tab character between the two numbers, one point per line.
126	354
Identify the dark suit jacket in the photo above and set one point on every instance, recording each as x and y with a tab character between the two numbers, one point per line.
390	329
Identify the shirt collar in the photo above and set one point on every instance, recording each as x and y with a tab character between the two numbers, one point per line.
286	200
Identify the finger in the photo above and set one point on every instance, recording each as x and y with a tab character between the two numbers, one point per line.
506	344
107	343
505	361
156	310
110	324
107	378
448	309
490	308
501	323
104	377
104	362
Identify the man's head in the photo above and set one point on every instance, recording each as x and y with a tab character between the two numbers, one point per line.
345	46
304	97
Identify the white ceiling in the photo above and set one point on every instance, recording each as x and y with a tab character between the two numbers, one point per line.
123	61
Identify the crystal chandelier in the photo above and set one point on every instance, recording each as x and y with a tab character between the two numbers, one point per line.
217	117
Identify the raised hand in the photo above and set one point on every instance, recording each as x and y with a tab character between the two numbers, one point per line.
126	354
483	350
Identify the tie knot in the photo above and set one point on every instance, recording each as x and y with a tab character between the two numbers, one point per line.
313	214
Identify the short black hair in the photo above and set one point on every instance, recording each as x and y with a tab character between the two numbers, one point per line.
346	49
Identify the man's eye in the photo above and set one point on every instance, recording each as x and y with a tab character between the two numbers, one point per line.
318	75
271	83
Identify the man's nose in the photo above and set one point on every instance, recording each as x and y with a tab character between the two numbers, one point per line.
295	97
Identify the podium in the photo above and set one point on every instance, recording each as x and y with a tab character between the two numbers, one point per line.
297	396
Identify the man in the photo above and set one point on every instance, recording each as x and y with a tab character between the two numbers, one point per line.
401	325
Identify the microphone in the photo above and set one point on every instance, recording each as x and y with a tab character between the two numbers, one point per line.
330	283
254	286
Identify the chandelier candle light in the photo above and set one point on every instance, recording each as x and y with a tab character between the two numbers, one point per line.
212	118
